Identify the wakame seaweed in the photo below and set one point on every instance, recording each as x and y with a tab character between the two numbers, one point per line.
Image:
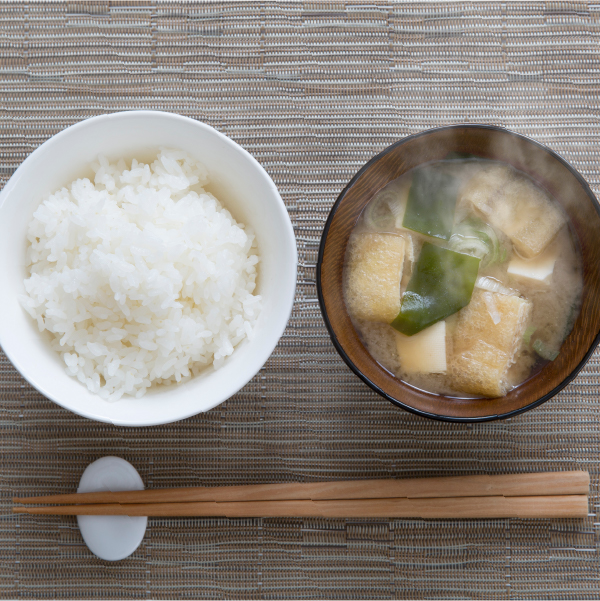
431	203
442	283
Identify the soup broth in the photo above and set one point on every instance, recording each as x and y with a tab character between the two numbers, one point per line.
463	277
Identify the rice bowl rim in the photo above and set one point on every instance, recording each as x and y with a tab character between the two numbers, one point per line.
259	355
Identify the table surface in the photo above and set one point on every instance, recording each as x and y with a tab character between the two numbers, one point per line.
313	91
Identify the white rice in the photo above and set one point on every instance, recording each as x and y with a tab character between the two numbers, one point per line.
140	276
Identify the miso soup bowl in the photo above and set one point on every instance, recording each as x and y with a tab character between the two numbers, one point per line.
552	173
236	179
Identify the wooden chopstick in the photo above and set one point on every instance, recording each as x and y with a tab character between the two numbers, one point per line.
555	506
508	485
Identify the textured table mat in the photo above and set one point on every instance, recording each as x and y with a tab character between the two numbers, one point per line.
312	90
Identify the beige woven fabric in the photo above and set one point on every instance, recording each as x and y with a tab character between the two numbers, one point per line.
312	90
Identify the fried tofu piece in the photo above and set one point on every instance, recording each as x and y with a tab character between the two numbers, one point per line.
374	271
424	352
515	206
535	218
486	186
486	338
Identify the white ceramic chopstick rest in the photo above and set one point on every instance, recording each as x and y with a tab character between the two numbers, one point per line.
111	537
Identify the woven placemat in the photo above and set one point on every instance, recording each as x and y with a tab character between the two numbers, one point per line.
312	90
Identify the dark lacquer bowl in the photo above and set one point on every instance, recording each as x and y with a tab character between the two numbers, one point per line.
545	167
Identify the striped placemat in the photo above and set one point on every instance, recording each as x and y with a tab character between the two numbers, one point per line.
312	90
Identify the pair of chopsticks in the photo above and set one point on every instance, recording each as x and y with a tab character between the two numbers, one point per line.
538	495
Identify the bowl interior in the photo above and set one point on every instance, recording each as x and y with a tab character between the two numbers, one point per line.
545	167
236	179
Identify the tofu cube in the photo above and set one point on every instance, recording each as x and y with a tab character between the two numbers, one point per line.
484	343
424	352
539	268
515	206
374	271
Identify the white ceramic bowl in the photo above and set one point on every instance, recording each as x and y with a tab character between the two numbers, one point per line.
236	178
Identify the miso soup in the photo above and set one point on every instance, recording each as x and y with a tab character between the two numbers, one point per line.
463	277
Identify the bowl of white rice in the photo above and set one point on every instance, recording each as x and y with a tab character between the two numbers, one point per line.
147	268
